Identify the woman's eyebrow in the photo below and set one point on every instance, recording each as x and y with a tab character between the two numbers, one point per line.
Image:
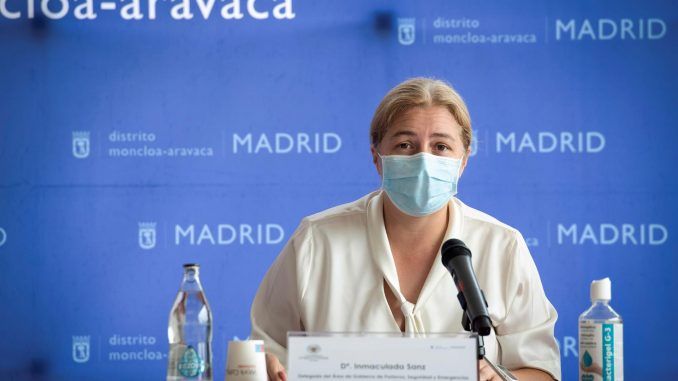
442	135
404	133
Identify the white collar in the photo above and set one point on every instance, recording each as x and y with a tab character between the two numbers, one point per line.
383	257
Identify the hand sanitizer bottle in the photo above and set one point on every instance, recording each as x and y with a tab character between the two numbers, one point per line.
601	354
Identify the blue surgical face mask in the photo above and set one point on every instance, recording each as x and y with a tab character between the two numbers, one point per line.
420	184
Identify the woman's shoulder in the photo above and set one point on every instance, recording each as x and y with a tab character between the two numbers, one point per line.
349	212
340	229
492	239
477	220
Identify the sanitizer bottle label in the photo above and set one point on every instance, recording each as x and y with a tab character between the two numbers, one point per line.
600	352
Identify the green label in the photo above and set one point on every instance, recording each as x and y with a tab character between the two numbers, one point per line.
190	364
608	352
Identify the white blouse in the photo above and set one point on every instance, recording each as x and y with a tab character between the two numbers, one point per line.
330	278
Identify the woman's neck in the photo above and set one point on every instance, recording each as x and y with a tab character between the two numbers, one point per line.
419	235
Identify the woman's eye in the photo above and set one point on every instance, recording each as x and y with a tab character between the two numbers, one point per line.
404	145
442	147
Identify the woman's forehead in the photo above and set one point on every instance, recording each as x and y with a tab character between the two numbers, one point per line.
435	121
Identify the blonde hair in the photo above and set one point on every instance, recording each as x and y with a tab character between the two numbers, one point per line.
420	92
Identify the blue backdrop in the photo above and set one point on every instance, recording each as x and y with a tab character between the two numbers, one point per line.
138	135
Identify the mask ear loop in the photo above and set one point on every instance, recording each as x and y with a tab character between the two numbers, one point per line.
461	164
381	161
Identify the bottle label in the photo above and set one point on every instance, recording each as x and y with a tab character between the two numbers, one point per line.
601	352
190	364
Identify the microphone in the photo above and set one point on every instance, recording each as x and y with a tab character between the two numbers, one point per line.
457	259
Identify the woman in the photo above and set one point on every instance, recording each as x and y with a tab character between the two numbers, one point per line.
373	265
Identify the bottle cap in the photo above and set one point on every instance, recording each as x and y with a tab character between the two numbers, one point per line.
601	289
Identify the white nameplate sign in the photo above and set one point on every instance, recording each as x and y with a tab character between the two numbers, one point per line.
381	357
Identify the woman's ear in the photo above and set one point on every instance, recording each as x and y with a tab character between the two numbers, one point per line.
464	161
375	159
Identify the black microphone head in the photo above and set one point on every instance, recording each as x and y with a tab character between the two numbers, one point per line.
452	248
482	325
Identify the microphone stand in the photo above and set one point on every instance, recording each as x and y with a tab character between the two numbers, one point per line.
500	370
466	323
